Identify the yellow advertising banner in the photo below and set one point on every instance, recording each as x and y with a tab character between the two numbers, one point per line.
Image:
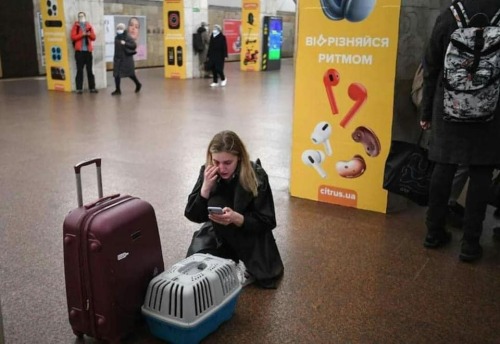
56	45
250	36
344	88
175	42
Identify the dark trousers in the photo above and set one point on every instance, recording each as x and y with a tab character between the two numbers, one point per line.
218	70
118	82
475	202
84	59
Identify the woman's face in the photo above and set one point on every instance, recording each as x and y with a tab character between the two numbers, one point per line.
226	162
133	28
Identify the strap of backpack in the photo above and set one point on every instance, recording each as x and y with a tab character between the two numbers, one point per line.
496	18
459	14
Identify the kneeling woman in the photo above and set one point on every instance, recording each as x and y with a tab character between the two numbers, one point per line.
243	231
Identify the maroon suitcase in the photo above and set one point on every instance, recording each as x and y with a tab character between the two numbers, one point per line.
111	252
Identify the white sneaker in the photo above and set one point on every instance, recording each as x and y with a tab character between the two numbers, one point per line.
223	82
244	276
214	84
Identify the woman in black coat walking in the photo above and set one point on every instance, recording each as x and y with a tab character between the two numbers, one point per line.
217	52
123	61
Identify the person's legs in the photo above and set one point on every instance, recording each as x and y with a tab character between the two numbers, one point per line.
458	184
138	85
80	62
201	65
214	75
222	76
117	90
90	73
439	193
455	210
475	209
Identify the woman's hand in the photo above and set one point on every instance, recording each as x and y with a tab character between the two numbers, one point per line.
229	216
209	180
122	42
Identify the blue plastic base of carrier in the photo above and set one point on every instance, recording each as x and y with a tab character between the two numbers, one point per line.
176	334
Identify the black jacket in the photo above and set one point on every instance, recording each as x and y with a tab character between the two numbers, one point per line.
123	64
254	241
456	143
217	49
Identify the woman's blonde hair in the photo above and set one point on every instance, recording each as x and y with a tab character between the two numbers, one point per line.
228	142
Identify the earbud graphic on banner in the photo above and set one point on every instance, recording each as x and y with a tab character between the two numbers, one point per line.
352	10
331	79
321	134
314	158
359	94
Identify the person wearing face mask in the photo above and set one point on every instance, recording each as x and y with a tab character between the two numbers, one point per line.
242	230
123	60
83	36
217	52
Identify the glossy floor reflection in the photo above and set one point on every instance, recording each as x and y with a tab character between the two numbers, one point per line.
351	276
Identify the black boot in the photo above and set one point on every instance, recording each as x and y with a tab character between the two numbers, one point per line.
471	250
435	239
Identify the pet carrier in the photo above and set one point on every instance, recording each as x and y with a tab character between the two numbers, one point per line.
191	299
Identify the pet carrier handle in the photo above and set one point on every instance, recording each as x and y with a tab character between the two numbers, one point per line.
97	162
192	268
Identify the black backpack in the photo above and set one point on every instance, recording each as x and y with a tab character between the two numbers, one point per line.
198	45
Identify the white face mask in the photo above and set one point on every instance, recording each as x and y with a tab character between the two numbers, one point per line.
215	32
82	19
119	31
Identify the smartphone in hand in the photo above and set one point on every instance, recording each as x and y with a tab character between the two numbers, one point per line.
215	210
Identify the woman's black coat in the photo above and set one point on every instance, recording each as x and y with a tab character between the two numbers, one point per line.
217	50
123	64
254	241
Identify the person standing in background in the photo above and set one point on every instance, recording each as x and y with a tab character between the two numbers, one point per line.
202	55
217	53
454	144
83	36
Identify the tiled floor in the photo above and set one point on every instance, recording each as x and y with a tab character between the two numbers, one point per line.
351	276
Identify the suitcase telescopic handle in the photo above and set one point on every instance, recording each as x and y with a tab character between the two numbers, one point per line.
78	167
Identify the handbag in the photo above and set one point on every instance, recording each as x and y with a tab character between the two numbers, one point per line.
408	171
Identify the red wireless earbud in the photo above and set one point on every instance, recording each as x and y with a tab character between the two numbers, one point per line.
358	93
330	79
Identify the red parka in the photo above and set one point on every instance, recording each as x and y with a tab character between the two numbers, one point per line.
77	36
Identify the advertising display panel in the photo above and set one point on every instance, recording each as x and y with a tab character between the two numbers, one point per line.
175	42
232	31
55	45
136	28
250	36
344	92
272	38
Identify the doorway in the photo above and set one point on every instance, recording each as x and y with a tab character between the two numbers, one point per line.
18	52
